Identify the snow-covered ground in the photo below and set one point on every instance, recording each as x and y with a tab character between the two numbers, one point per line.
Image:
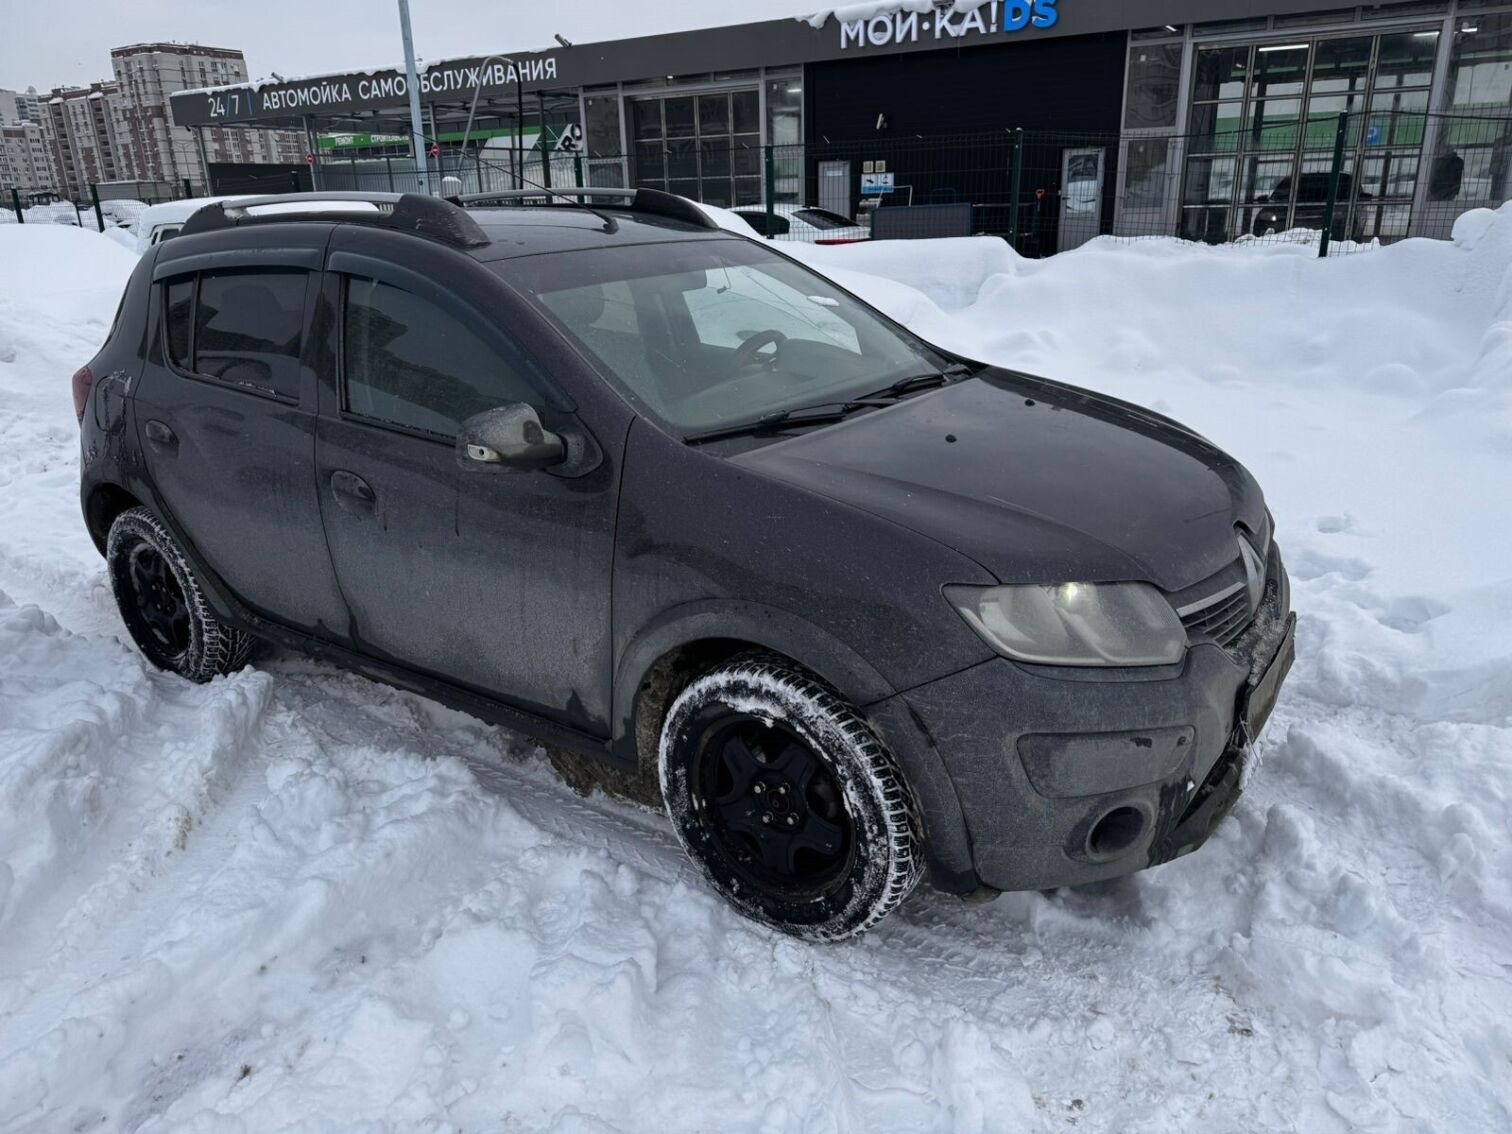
296	900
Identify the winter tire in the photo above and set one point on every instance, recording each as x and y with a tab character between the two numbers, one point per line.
787	801
162	604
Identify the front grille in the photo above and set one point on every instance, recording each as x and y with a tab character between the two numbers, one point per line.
1224	617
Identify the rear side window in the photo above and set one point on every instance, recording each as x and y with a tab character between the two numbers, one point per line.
406	362
180	318
247	328
243	327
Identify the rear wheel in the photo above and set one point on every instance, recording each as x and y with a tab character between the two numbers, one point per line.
787	801
161	602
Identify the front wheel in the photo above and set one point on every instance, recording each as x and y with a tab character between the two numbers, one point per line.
161	602
787	801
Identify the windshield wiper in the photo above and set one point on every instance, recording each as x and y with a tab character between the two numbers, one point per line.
820	414
925	381
826	412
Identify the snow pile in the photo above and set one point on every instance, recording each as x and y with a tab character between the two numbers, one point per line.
295	900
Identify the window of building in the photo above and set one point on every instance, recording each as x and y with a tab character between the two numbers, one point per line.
601	126
1264	120
703	146
784	98
406	362
1154	85
1472	156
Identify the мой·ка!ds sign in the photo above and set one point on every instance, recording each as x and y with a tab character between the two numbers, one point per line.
910	27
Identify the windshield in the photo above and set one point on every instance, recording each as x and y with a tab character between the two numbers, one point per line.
710	333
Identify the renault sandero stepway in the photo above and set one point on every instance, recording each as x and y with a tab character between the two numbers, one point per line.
853	608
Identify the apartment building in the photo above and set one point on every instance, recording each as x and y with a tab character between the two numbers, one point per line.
147	74
17	107
25	163
81	126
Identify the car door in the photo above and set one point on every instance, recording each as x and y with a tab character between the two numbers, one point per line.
225	412
497	580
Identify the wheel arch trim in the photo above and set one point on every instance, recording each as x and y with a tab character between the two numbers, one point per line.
765	626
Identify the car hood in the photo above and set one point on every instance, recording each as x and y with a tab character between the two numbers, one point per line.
1036	481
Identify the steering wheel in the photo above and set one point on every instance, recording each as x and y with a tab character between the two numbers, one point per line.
746	355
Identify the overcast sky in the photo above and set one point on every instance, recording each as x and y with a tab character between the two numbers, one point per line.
45	44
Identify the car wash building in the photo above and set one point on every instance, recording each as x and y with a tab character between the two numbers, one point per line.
1046	121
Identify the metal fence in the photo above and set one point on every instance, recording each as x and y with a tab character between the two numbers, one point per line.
102	205
1343	182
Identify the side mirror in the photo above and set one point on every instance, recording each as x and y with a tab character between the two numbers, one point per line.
509	437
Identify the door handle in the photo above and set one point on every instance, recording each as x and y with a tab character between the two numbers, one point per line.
352	493
161	437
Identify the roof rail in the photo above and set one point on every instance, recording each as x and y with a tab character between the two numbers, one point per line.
652	201
534	194
405	212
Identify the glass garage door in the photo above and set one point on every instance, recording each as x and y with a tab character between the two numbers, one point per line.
704	146
1263	123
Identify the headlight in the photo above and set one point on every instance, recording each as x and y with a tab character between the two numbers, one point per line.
1104	624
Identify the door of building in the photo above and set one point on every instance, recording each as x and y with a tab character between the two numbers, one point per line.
835	188
1082	174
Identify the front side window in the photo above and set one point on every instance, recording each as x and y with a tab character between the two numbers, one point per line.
724	331
408	363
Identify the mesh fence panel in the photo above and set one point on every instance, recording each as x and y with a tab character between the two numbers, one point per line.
1343	183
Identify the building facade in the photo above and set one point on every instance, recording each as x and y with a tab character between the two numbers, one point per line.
81	126
1211	119
123	131
25	163
148	74
18	106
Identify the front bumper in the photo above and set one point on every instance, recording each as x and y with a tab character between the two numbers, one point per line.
1066	777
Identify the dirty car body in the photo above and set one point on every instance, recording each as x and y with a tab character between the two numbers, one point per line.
1063	616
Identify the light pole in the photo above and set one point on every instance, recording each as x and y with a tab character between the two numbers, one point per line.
412	82
477	93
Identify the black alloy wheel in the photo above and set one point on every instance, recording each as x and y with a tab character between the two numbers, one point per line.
162	604
776	811
787	801
157	615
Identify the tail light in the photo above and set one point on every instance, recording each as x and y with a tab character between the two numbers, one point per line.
846	240
83	382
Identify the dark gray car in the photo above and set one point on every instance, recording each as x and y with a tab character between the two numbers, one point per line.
852	607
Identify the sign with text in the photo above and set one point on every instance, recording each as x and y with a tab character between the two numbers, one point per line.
898	29
345	93
878	184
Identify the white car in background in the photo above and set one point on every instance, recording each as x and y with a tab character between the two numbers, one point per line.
803	223
123	212
162	222
62	212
